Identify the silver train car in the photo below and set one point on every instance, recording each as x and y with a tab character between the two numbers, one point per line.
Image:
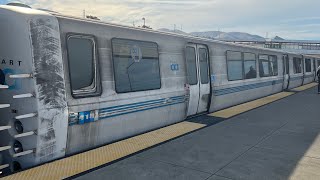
70	84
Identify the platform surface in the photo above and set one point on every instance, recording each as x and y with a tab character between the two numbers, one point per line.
276	141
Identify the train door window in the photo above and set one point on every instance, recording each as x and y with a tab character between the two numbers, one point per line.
273	65
284	67
82	59
235	66
250	69
136	65
308	65
287	64
264	69
297	65
191	65
204	70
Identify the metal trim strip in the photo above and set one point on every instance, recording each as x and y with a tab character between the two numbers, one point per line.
231	90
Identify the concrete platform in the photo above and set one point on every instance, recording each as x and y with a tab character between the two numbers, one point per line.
275	141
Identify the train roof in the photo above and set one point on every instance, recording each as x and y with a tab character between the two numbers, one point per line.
191	37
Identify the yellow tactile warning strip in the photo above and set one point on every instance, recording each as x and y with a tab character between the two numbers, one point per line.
305	87
235	110
79	163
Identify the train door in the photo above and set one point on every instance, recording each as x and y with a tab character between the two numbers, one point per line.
303	69
314	68
317	65
286	74
197	61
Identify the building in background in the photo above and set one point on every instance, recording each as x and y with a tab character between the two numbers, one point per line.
297	46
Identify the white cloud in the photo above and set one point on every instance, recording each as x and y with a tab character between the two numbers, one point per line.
285	18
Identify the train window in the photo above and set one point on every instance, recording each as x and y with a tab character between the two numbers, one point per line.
204	71
82	65
136	65
235	66
264	69
273	65
308	65
268	65
191	65
250	69
297	65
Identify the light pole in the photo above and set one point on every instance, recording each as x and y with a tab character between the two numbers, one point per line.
144	22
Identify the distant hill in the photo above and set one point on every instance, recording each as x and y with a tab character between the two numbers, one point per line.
278	38
208	34
224	36
173	31
240	36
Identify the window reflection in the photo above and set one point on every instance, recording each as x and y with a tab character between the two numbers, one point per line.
136	65
235	70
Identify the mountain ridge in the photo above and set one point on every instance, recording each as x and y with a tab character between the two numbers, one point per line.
224	36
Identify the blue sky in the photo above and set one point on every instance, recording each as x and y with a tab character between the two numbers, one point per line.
3	1
290	19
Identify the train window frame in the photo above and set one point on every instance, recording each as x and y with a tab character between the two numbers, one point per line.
95	89
114	71
274	73
255	65
294	65
227	64
195	63
207	80
310	65
271	69
286	64
243	64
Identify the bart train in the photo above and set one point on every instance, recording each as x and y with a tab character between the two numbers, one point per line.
70	84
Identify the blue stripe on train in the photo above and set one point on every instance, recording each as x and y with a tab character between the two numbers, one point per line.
231	90
301	77
139	110
140	104
296	78
163	102
135	107
309	76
